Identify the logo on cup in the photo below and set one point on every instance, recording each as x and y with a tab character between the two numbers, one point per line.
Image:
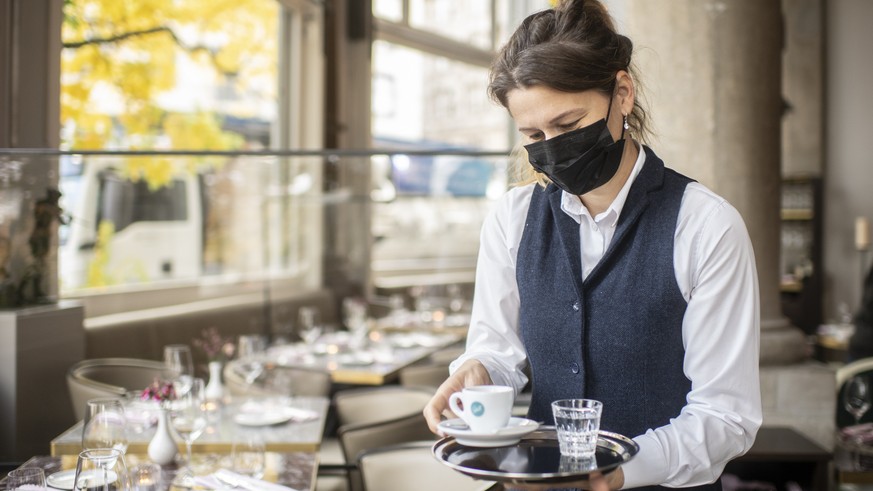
477	409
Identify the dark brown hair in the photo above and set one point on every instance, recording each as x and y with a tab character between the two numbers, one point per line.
573	47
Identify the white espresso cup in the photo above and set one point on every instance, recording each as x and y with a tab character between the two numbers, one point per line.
485	408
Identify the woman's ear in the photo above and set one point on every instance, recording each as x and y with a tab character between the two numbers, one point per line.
624	91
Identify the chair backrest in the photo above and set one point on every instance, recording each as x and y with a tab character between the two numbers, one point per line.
109	377
429	375
863	368
373	404
412	466
357	438
274	380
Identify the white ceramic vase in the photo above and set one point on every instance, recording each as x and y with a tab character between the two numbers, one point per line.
214	389
163	449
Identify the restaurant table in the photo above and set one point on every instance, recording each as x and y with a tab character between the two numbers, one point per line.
377	363
782	454
219	436
296	470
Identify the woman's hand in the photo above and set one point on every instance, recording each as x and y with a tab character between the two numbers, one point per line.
472	372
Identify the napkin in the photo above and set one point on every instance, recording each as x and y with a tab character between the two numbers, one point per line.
225	479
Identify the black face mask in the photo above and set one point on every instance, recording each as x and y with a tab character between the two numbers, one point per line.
581	160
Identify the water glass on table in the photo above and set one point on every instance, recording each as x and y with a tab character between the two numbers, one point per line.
145	476
178	359
188	416
308	325
248	455
577	422
101	469
105	424
26	478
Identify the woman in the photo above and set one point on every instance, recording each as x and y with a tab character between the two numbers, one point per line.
608	275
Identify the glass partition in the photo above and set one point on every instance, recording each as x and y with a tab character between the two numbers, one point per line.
204	225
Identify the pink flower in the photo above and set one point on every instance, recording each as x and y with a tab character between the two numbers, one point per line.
214	345
159	391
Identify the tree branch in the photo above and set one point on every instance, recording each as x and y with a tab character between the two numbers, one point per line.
145	32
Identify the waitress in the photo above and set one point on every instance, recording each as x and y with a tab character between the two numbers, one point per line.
606	274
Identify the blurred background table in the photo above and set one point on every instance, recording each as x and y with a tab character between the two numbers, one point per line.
296	470
219	436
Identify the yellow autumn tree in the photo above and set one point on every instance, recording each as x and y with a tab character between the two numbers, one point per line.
121	57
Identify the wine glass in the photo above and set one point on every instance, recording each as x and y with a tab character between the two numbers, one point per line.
177	358
308	325
25	478
856	397
188	416
105	425
355	319
99	468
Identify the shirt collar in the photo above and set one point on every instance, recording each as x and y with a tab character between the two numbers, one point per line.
572	205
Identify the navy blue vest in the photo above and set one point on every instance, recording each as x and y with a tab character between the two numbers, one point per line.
617	336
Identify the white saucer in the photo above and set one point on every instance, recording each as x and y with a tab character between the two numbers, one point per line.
509	435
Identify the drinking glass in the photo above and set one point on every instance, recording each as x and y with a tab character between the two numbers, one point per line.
145	477
856	398
105	425
355	319
251	345
188	416
308	325
577	422
249	455
25	478
177	358
99	468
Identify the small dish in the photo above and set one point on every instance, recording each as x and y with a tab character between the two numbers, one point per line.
61	480
271	417
66	479
509	435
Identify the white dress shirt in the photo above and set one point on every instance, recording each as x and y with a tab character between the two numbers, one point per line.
715	271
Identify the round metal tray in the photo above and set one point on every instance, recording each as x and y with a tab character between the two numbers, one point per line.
535	459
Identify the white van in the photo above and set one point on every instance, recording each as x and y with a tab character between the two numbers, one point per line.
158	233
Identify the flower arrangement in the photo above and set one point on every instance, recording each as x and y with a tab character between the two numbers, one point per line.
214	345
159	390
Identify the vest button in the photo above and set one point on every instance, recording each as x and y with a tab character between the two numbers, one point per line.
574	367
576	306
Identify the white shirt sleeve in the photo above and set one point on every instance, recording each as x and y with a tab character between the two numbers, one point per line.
715	269
493	334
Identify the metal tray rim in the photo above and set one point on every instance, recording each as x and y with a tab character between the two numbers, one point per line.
629	449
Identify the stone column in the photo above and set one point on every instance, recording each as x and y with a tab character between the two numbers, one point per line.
712	70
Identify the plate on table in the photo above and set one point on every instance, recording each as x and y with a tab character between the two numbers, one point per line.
536	458
271	412
66	479
509	435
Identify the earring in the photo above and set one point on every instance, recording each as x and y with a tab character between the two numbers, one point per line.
626	126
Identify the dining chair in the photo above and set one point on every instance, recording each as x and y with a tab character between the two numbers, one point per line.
425	375
356	409
373	404
109	377
357	438
412	466
247	378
